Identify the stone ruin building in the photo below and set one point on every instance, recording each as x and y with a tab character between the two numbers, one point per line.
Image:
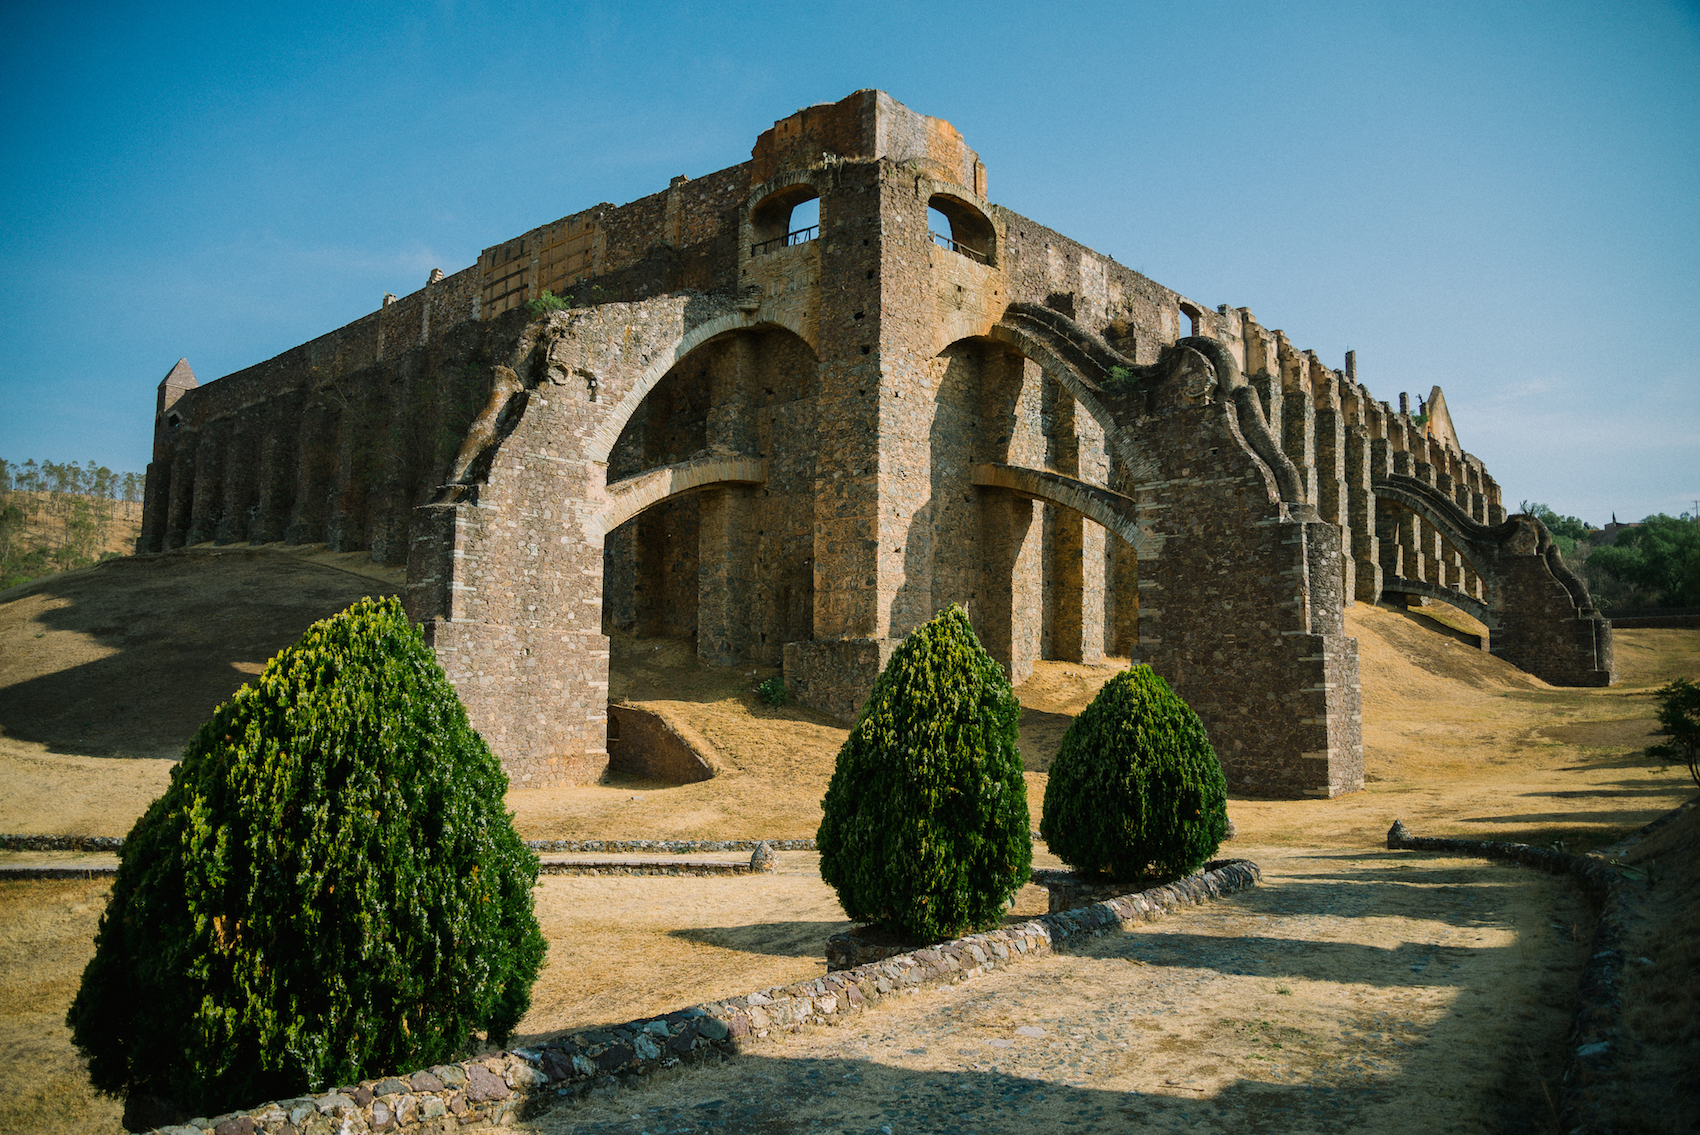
796	441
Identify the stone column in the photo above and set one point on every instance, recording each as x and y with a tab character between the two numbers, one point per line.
241	477
207	508
1333	501
727	520
279	454
315	462
1008	631
1298	435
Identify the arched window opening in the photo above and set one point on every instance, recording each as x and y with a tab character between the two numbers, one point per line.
790	216
1190	314
960	227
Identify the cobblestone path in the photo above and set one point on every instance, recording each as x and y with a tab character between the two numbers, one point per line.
1352	991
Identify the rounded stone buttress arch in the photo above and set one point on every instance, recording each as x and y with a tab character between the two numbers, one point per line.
604	438
635	495
1140	466
1100	505
1466	547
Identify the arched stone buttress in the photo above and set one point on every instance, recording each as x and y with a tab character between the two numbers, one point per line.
1258	651
1540	616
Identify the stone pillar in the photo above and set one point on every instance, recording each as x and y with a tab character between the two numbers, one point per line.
1332	494
725	579
207	507
345	520
1121	637
727	520
315	463
181	497
279	453
1360	515
156	496
1012	537
241	477
1298	435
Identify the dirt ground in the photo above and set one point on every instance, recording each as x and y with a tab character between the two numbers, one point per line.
1412	983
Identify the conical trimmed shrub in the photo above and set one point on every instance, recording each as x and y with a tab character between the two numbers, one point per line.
925	828
330	888
1135	787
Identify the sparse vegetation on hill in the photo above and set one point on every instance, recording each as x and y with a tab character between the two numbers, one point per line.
1679	714
54	517
1136	786
329	889
1652	563
1655	563
925	828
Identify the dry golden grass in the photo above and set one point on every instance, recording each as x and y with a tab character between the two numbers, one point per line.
1660	1089
46	938
1456	742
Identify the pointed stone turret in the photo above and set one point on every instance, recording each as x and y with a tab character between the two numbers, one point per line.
1440	421
176	383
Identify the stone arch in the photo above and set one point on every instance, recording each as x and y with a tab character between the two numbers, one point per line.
1541	615
1061	362
603	439
629	497
1478	544
1110	509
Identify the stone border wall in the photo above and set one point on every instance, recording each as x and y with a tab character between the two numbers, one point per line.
103	843
1595	1048
495	1090
115	844
667	846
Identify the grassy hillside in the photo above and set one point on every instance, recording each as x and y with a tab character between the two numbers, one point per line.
46	532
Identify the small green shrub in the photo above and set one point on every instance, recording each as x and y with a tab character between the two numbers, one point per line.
925	827
329	889
774	692
544	304
1135	786
1679	713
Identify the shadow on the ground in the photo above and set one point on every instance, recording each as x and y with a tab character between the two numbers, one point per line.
179	634
756	1094
777	939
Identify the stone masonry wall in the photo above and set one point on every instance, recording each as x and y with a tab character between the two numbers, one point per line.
813	434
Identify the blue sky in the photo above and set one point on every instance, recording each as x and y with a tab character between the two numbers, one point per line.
1503	199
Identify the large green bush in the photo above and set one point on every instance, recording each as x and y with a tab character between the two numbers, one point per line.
925	827
1135	786
329	889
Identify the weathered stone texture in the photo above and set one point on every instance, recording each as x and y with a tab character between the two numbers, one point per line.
794	444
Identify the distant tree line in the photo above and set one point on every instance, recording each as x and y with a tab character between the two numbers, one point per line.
55	516
1655	563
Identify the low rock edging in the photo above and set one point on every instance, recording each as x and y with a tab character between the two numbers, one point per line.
1595	1038
90	871
492	1091
110	844
665	846
760	862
